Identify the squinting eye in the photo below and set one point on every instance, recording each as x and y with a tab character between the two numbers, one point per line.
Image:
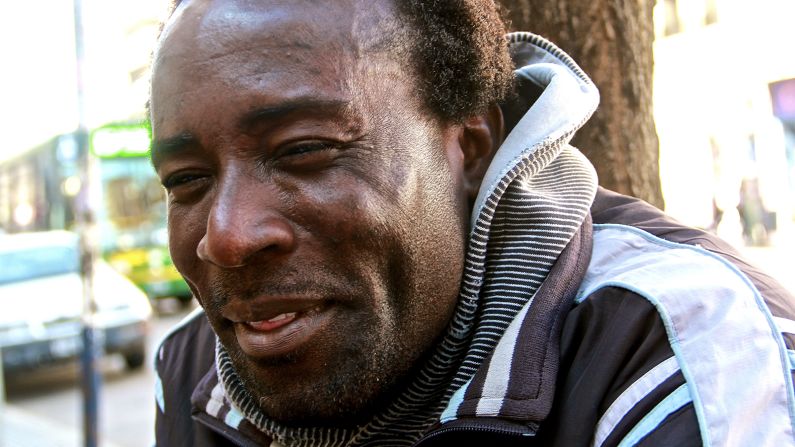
305	148
180	179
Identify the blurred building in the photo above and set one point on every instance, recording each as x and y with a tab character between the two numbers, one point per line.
725	113
38	161
37	187
37	158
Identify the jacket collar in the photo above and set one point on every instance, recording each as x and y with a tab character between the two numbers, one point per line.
513	390
568	99
212	407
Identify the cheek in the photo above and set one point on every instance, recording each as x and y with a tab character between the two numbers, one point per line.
344	222
437	236
186	227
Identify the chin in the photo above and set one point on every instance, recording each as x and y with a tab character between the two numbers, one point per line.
293	392
334	400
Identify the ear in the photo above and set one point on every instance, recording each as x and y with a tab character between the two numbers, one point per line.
479	140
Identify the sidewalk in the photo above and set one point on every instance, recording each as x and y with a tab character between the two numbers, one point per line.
775	259
21	429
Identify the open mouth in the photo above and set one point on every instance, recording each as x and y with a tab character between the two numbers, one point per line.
282	333
273	323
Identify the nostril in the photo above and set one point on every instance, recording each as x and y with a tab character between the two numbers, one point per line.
220	256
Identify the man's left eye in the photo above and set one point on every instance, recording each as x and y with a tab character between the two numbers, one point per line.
306	156
306	148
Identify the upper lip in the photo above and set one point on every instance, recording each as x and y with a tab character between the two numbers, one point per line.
267	307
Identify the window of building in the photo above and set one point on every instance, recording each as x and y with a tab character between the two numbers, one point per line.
710	12
672	23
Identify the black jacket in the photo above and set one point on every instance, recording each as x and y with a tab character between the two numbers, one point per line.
586	317
608	341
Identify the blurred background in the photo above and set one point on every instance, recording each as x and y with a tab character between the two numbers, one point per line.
724	107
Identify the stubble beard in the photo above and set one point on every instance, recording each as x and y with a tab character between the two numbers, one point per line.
365	375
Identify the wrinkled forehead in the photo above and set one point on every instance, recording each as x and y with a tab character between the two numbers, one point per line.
274	43
210	29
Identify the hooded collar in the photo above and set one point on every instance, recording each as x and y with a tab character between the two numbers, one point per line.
535	197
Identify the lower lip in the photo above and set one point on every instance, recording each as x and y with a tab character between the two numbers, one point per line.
269	341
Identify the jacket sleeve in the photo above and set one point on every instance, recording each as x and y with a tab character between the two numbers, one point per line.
183	358
619	379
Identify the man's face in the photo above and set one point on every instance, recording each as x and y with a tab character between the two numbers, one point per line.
315	208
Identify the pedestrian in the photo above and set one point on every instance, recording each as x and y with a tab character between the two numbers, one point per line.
392	243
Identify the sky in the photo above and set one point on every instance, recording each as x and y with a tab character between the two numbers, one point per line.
38	82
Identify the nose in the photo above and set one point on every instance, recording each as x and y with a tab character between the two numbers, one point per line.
244	225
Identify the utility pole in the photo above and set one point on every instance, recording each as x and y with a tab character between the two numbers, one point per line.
85	220
2	390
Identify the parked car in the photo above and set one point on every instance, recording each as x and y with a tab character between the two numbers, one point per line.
42	302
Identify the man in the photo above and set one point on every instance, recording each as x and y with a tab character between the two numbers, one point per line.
393	244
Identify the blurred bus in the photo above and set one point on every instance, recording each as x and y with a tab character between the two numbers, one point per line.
131	211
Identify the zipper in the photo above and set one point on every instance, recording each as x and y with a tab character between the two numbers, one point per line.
517	432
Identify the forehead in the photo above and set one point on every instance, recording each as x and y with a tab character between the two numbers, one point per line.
278	46
209	29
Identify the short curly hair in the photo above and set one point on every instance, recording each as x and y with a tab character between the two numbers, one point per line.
459	52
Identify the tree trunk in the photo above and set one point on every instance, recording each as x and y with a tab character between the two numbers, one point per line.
612	41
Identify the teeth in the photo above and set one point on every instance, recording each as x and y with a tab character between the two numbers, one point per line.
275	319
273	323
281	317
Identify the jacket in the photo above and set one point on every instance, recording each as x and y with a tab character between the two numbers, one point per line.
585	317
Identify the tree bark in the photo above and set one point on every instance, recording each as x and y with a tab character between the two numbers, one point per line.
612	41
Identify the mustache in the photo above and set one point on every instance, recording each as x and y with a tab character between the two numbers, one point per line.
225	286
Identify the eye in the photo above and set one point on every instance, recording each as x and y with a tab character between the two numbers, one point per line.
186	187
307	155
306	147
175	180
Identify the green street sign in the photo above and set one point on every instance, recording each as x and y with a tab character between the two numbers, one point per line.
120	140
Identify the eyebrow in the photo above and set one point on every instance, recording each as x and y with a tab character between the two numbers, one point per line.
172	145
303	104
169	146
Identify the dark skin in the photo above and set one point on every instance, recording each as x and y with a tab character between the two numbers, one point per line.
317	210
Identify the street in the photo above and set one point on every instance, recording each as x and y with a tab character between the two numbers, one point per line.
127	407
